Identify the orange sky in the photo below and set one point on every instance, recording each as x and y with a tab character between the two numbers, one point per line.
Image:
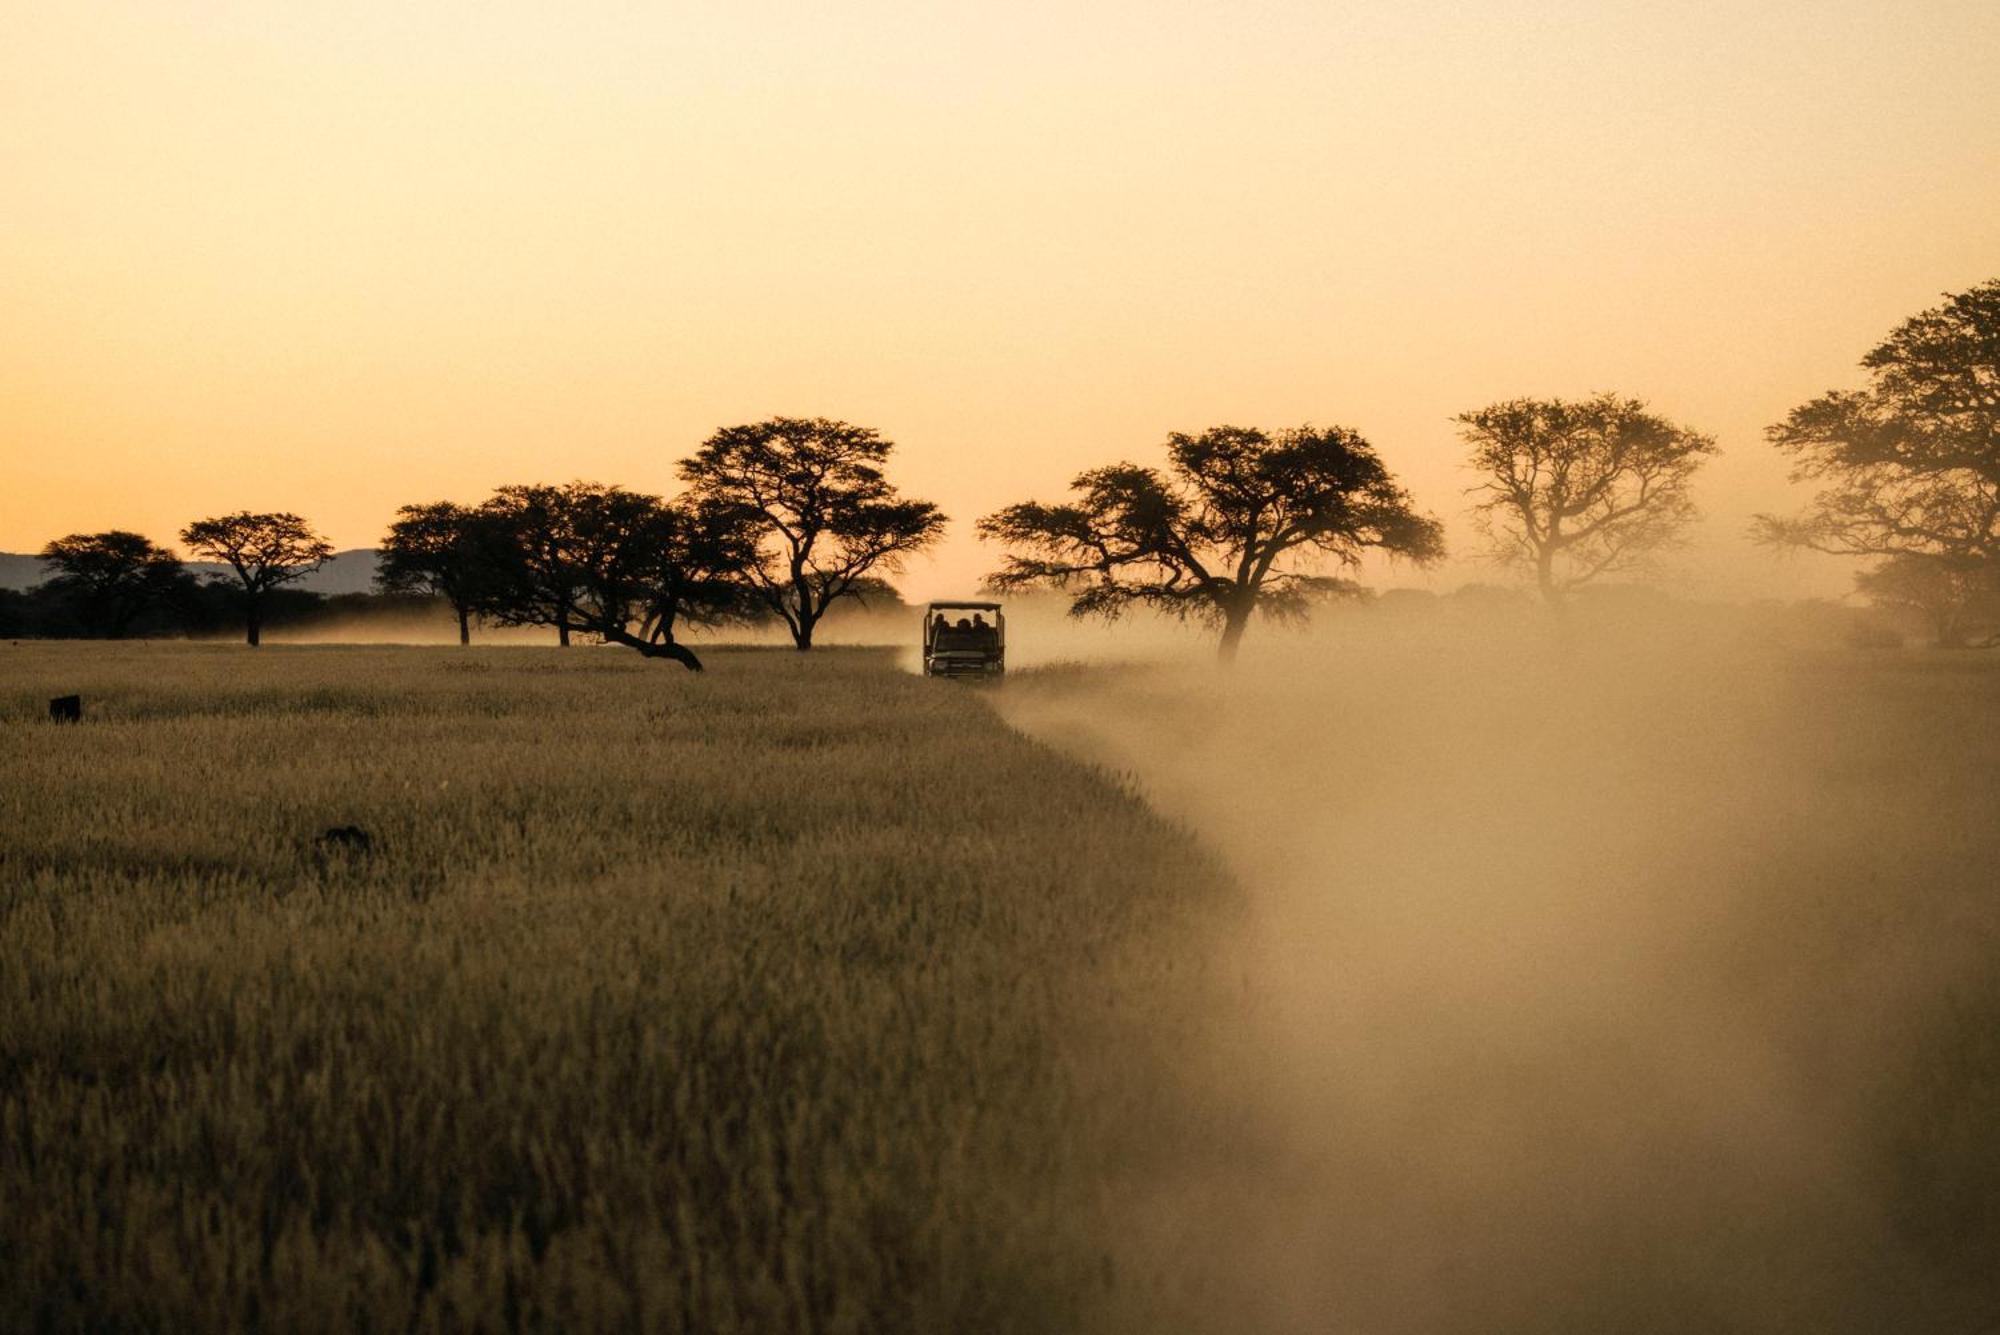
335	257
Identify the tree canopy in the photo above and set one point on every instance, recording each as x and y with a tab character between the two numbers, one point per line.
1576	490
438	549
698	574
264	550
115	575
1239	521
606	560
1909	466
821	514
528	546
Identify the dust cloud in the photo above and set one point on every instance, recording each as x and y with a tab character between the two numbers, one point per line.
1577	983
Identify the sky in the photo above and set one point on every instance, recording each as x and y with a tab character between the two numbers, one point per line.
334	258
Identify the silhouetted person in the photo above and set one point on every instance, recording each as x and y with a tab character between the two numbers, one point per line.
964	625
983	634
938	627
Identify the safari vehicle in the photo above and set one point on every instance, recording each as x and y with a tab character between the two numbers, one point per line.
959	641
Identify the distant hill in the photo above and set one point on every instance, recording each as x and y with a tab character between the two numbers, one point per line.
19	572
345	572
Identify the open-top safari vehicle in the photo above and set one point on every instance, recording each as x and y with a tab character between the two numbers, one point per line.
959	641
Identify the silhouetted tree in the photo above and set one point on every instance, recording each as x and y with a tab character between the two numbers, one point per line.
700	572
1951	597
607	560
824	516
1577	490
1911	465
1234	525
18	618
114	575
438	549
879	597
528	542
264	550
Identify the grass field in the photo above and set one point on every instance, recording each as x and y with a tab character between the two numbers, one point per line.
1471	986
798	995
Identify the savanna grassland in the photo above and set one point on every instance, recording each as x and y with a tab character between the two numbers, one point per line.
1412	979
801	994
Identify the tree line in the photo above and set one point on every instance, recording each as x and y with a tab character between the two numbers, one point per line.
783	519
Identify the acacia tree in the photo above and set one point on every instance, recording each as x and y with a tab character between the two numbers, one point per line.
699	572
1909	466
116	575
1575	490
1240	521
1951	596
604	559
824	518
526	539
437	549
264	550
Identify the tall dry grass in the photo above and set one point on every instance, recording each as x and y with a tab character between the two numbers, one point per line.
799	995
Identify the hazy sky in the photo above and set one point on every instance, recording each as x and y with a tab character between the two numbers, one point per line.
336	257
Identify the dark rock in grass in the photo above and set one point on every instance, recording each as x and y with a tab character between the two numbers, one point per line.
346	838
66	709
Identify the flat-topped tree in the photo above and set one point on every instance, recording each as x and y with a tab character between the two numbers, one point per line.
264	550
527	542
1573	491
436	549
623	565
823	515
115	575
1910	466
699	571
1241	521
651	564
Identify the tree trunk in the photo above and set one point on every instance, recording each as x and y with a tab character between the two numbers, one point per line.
807	616
253	622
464	627
562	628
679	653
1235	621
1545	580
